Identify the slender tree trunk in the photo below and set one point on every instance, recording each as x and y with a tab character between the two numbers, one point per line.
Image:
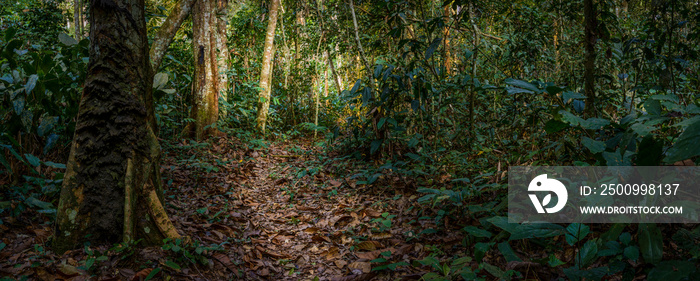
589	65
163	38
222	46
111	189
167	31
359	45
76	19
205	90
336	79
267	65
446	42
472	94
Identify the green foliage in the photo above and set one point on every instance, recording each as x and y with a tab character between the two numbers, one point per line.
188	253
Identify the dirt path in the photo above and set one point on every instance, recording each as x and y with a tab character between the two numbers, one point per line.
281	212
289	216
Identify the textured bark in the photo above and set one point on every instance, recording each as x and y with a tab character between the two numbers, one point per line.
167	31
224	54
112	169
76	19
267	65
589	65
205	91
446	42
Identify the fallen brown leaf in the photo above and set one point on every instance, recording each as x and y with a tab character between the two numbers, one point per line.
364	267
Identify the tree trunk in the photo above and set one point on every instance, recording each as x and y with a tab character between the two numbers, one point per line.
359	45
589	65
446	42
167	31
76	19
222	46
205	91
111	189
163	38
267	65
336	79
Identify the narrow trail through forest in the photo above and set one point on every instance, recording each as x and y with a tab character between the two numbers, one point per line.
287	215
276	211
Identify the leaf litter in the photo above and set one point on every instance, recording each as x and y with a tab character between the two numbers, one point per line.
276	213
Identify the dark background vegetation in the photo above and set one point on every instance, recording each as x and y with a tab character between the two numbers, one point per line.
513	95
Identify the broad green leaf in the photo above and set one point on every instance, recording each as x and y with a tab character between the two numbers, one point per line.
381	122
652	107
18	104
687	144
595	123
672	98
477	232
413	156
31	83
356	86
687	122
570	118
553	126
672	270
587	253
496	272
650	242
502	223
172	265
593	145
9	34
13	152
38	203
50	142
615	159
576	232
480	250
520	84
515	90
626	238
66	40
32	160
7	78
553	90
554	261
378	70
632	253
55	165
568	95
642	129
160	79
508	252
153	273
431	261
433	46
374	146
537	230
613	233
46	125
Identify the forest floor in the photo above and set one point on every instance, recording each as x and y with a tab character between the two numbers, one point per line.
279	211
